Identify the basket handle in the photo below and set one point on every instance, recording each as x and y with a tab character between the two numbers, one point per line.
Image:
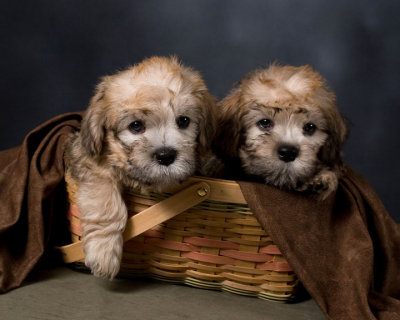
148	218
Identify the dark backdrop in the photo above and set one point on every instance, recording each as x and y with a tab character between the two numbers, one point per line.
53	52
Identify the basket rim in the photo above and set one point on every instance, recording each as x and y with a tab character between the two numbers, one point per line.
221	190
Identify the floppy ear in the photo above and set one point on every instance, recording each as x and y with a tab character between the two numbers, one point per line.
92	129
229	129
208	124
330	153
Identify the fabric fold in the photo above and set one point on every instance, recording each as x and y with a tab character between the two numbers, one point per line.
345	250
32	197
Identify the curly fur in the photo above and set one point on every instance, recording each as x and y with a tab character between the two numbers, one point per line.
107	155
290	98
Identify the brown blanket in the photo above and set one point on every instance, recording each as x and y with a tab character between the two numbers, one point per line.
345	250
32	197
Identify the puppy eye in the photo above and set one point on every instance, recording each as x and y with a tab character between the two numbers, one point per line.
136	126
265	124
183	122
309	129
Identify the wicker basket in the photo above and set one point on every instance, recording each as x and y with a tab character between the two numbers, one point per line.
201	234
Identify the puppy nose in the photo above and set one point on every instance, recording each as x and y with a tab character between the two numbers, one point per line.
288	153
165	156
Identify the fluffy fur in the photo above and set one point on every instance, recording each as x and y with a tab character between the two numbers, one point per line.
283	124
147	127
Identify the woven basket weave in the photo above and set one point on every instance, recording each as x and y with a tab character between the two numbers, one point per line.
217	244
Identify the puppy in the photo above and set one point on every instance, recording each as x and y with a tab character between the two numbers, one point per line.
147	128
283	125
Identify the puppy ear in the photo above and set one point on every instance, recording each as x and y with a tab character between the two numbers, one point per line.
208	123
92	129
330	153
228	138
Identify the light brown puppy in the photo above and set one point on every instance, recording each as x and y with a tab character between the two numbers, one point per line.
147	127
283	124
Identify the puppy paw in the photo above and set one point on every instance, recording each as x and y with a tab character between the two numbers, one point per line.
103	258
322	184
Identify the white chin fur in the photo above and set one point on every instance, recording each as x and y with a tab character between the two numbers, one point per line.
157	177
279	173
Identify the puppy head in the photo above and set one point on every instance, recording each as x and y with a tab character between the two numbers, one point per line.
283	123
150	122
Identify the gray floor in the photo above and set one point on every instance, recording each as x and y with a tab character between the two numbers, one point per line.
62	293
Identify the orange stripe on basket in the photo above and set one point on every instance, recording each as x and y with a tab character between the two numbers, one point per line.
75	229
203	242
210	258
69	214
173	245
73	211
247	256
274	266
271	249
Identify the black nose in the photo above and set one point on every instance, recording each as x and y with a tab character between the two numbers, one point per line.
165	156
287	153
